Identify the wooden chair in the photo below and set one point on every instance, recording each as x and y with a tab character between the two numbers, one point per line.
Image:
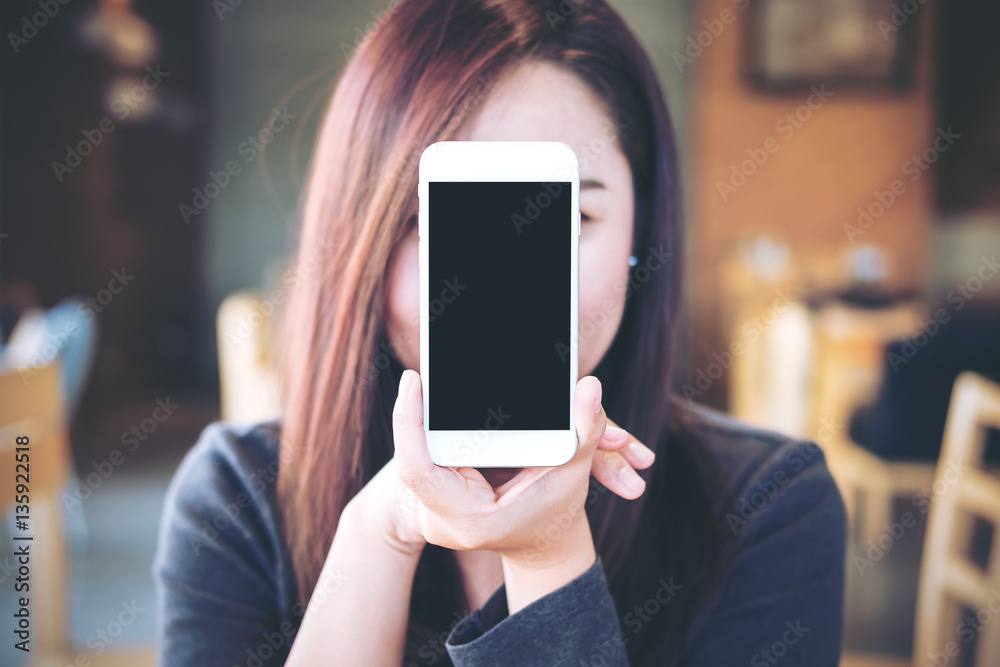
850	356
244	327
772	377
949	580
32	406
805	374
963	489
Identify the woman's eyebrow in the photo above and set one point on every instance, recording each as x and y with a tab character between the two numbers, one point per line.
591	184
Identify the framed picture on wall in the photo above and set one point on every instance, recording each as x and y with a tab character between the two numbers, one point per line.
789	45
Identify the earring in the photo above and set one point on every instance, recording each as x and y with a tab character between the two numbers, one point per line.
632	260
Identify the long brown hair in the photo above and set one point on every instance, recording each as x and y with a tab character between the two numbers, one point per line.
415	79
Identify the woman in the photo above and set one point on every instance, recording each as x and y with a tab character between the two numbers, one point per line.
330	538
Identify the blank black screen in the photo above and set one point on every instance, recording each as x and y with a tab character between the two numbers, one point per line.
499	293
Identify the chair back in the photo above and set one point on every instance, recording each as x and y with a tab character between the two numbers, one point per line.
248	386
958	603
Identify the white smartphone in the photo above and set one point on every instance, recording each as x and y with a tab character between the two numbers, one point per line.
499	230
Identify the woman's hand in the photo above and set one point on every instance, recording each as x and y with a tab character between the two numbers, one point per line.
616	460
528	515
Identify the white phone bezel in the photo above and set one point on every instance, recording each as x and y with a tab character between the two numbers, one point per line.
542	161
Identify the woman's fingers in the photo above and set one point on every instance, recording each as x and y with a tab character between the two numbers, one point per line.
614	439
615	473
617	439
614	453
516	485
610	468
589	415
428	481
618	456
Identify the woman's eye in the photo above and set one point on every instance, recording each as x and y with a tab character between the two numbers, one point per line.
584	217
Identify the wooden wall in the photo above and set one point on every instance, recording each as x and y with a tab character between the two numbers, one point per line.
816	175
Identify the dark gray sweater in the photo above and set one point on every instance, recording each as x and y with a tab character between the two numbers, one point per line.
227	594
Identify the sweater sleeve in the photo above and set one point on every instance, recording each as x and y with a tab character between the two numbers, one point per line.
573	625
213	571
784	598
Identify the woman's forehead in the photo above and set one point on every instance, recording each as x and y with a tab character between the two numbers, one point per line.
540	102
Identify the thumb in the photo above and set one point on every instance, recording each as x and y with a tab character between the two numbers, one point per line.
408	414
418	472
589	414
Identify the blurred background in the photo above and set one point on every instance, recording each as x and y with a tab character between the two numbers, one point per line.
841	166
